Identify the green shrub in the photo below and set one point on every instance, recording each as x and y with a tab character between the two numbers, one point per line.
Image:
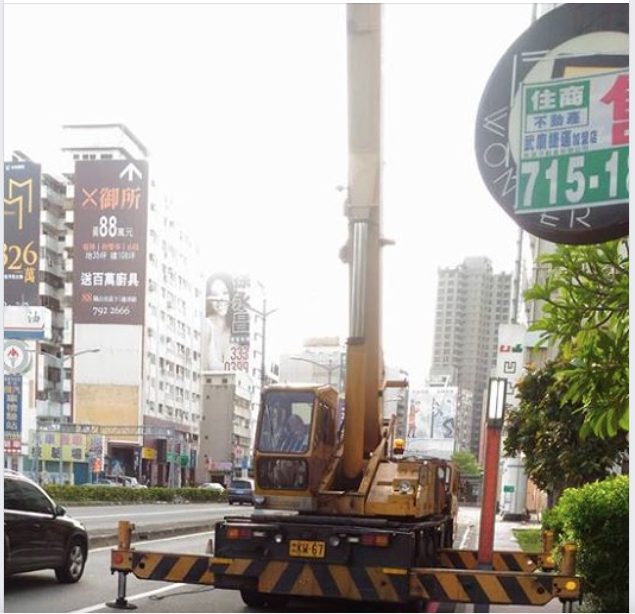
595	517
74	495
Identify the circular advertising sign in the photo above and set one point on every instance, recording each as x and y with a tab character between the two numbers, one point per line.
552	135
16	357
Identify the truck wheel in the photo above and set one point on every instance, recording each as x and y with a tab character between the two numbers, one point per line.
256	599
253	598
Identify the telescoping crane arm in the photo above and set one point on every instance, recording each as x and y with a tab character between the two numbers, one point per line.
364	368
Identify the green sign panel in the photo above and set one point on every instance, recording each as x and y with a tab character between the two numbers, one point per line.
574	143
508	488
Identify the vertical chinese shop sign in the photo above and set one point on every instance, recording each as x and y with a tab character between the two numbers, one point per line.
12	414
111	216
21	233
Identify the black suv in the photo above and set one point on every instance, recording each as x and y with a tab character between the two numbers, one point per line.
38	533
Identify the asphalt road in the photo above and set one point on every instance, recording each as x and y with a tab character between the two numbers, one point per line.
152	520
39	591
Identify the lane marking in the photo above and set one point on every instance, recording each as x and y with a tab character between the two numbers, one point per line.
163	589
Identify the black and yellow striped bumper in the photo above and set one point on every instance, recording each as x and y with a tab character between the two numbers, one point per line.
496	587
370	583
501	560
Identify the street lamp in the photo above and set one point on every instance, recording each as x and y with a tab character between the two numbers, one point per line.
264	314
62	362
62	401
497	393
330	368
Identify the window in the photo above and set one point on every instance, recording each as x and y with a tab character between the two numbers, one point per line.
35	500
26	497
12	498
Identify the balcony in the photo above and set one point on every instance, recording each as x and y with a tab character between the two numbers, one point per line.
69	218
48	242
52	196
50	220
47	265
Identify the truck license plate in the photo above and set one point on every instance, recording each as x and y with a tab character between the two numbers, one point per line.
308	549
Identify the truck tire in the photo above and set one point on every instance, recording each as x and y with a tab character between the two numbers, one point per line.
255	599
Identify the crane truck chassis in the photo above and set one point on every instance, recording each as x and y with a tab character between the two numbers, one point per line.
356	566
346	512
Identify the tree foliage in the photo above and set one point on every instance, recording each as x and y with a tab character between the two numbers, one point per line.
547	433
466	462
586	313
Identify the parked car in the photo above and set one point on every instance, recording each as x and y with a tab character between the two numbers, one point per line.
240	490
215	486
39	534
125	480
102	482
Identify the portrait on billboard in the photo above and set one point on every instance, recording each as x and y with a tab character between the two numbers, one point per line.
217	328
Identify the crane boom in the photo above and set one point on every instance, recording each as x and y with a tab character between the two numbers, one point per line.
363	208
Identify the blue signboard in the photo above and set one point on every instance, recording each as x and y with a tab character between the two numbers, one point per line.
12	406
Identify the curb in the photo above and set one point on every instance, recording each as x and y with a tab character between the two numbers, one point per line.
111	538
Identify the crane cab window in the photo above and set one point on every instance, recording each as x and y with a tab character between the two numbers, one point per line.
286	422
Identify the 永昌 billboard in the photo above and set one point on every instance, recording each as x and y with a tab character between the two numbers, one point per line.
21	233
226	326
111	216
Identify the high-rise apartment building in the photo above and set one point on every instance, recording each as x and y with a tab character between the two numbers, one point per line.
471	302
152	379
121	278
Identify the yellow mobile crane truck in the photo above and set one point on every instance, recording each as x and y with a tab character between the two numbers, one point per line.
345	513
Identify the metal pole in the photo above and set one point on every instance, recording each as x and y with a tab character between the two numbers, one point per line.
36	451
61	417
264	314
328	368
263	364
495	411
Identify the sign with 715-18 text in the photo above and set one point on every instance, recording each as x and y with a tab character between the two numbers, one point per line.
574	143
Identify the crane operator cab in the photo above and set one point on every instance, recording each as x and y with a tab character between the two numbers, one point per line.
295	440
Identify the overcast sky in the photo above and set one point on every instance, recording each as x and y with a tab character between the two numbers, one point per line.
243	109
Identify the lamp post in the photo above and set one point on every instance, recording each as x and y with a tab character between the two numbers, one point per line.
264	314
330	368
62	364
497	393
